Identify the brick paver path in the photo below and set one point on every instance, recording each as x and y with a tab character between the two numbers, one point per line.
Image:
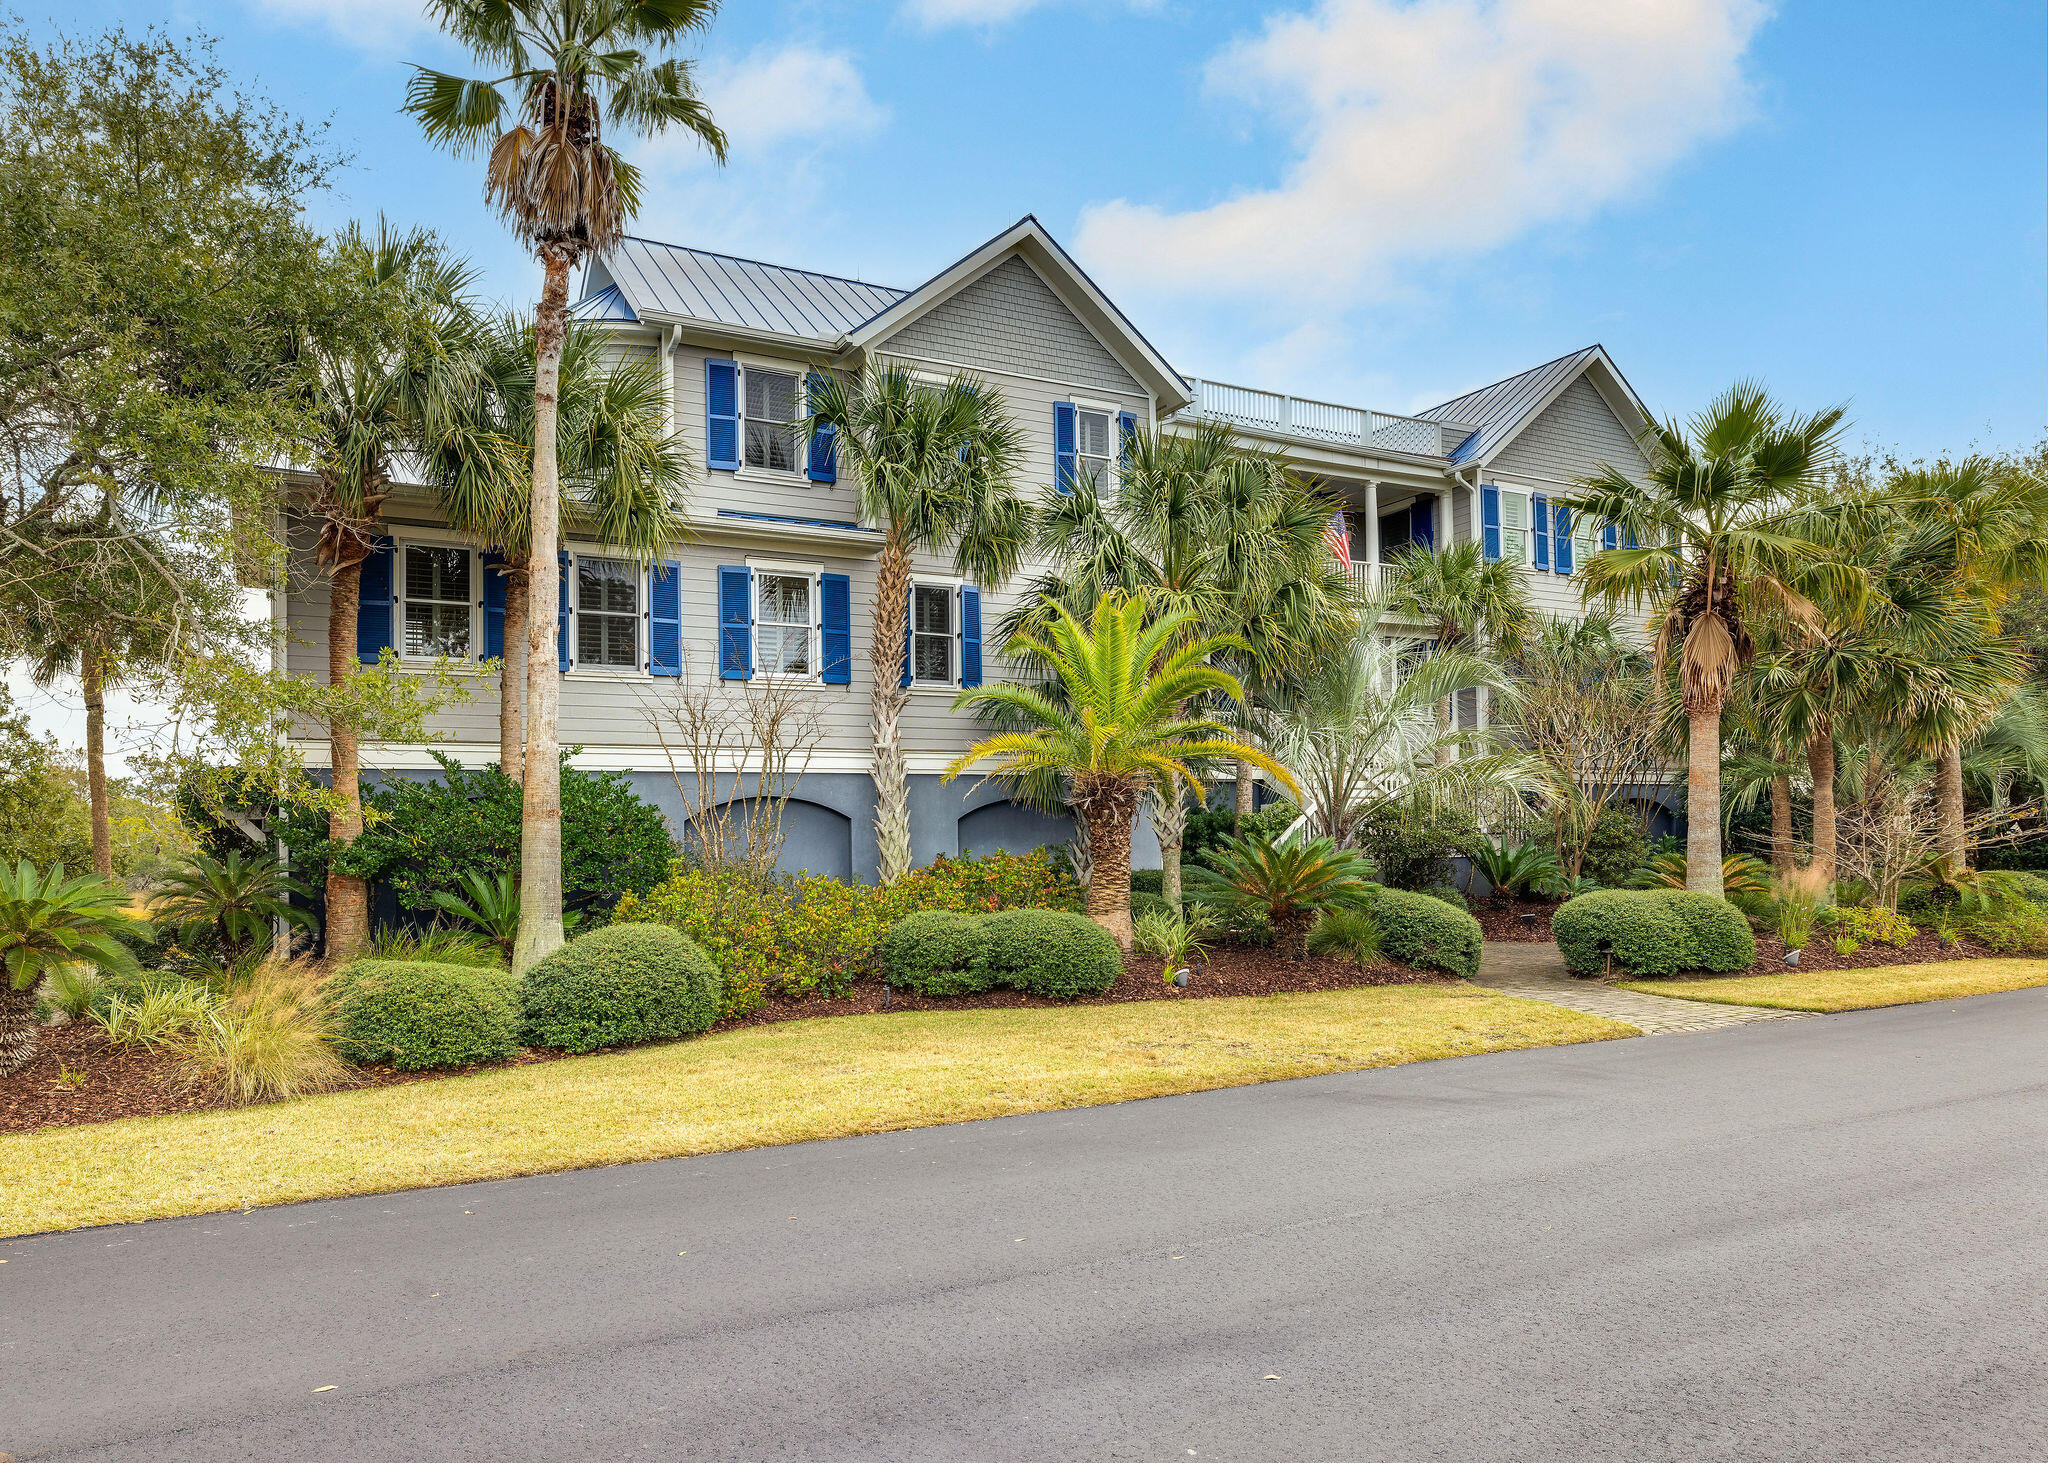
1537	972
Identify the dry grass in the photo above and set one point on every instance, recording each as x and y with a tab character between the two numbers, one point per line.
742	1089
1856	990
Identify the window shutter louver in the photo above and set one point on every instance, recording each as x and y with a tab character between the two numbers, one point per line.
970	636
665	619
562	609
1489	520
824	457
1126	429
1063	461
1609	537
1539	514
494	605
1562	535
835	623
376	592
721	416
909	623
735	623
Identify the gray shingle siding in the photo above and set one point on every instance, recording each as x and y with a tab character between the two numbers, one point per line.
1011	320
1571	438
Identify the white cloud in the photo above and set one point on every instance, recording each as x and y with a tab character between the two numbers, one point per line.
796	94
1433	130
370	24
938	13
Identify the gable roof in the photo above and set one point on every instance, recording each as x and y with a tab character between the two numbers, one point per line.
1504	408
653	278
643	279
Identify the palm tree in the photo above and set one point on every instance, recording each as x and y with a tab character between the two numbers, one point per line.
47	922
565	68
937	467
622	474
1468	602
1713	519
374	399
234	900
1120	726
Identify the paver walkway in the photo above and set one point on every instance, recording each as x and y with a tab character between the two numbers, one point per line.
1537	972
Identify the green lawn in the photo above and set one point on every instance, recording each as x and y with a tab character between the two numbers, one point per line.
1855	990
743	1089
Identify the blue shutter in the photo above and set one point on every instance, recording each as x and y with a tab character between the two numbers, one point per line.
665	619
494	565
824	459
721	415
1608	538
1422	522
1126	429
1063	463
1563	535
376	604
1628	539
1539	518
909	619
970	636
562	608
1489	520
835	618
735	623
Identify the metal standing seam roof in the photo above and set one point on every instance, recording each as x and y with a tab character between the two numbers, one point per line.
668	279
606	304
1498	410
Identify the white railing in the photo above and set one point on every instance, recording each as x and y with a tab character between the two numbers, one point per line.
1325	421
1370	578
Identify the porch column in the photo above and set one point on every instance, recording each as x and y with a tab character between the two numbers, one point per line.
1372	532
1446	517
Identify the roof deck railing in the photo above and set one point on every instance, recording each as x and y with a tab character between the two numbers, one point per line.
1325	421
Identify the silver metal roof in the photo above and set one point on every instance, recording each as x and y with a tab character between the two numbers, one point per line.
606	304
1500	409
694	284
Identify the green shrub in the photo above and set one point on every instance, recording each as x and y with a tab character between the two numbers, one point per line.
415	1014
1615	847
1148	881
622	984
435	947
1869	924
2031	887
1208	828
1424	932
1347	934
1411	844
1448	893
1048	953
1175	940
1514	870
2017	929
935	952
1143	904
1652	932
1289	884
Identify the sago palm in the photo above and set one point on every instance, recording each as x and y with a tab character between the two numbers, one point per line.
48	922
937	467
564	71
1289	884
1118	725
232	900
622	473
1713	521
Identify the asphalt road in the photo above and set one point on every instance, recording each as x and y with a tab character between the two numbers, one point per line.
1815	1239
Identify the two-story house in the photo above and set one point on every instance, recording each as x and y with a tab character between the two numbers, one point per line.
778	575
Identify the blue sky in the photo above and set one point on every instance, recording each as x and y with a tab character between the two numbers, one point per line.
1375	202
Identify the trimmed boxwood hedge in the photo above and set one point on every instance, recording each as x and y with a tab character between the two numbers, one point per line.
1652	932
1148	881
1423	931
1048	953
618	985
416	1014
935	952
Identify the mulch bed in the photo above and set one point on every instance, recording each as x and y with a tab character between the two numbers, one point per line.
1504	921
1819	954
122	1082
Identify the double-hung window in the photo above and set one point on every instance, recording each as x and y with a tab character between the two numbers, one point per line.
771	407
607	613
1094	445
932	631
439	609
785	624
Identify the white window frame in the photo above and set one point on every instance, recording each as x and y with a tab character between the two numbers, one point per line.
952	587
640	665
1112	466
785	569
400	546
800	473
1527	557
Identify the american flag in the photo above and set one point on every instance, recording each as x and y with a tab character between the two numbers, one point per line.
1338	537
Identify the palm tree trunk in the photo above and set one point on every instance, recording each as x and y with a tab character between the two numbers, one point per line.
1820	761
512	677
1245	789
347	920
1109	884
1703	801
1781	825
1168	814
1948	793
540	817
17	1026
92	669
886	699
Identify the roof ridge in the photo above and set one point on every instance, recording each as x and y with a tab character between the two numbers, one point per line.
865	284
1513	376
